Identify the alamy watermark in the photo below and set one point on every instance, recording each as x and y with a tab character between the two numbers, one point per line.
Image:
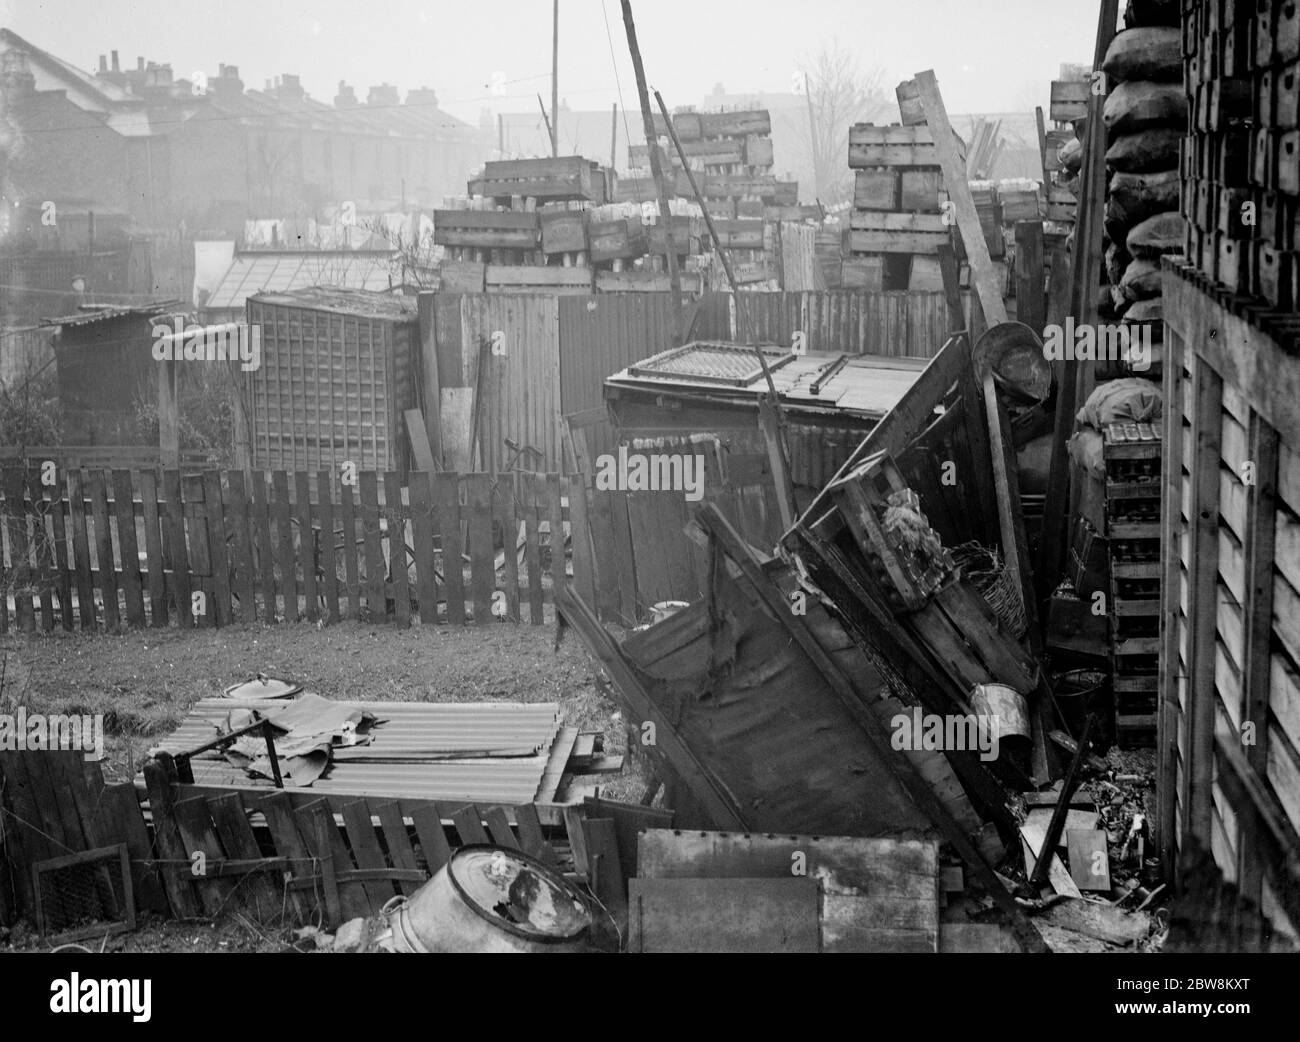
1101	343
955	732
227	342
40	732
651	472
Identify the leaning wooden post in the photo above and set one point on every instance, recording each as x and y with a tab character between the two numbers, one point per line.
169	431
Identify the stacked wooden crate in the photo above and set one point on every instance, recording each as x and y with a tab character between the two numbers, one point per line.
731	157
897	225
1241	158
1069	107
1132	453
525	227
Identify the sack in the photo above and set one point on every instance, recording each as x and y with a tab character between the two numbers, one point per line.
1145	151
1163	233
1141	104
1154	53
1141	13
1141	280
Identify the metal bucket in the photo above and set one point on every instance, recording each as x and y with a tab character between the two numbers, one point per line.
490	899
1009	711
1083	691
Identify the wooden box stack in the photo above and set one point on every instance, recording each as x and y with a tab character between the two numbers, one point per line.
1241	157
1132	452
897	225
730	154
525	229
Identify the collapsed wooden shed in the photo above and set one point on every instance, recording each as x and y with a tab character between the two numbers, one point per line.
338	368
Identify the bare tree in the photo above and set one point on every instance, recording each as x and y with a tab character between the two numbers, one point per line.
839	94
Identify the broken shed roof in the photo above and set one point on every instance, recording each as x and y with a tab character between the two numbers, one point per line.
721	374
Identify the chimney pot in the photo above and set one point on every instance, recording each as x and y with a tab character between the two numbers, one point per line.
115	69
103	63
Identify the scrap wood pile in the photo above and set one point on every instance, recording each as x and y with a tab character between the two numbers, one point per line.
774	700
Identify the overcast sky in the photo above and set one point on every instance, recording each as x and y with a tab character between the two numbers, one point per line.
989	57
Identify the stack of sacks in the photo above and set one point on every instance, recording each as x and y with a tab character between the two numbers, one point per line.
1146	117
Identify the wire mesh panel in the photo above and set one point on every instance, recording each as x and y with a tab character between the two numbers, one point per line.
712	362
84	894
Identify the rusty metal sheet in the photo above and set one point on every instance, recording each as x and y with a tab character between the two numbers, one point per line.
724	915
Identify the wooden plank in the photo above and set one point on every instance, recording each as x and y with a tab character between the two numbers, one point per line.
433	840
983	277
306	544
319	831
81	550
469	826
119	821
329	588
422	533
1089	861
376	596
446	501
26	842
285	558
626	557
531	837
200	550
398	841
1197	753
103	547
159	777
243	571
366	850
351	569
421	448
277	809
261	526
63	575
605	870
261	896
202	848
1032	835
529	489
559	566
478	515
397	561
504	513
601	521
724	915
584	565
706	788
498	824
43	551
215	511
16	514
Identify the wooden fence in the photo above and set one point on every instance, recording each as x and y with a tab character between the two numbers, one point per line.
147	548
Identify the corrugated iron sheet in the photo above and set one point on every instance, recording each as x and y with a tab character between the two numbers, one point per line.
409	729
854	322
602	334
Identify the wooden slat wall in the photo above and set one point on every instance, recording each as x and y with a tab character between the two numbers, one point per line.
521	386
641	550
1230	654
139	548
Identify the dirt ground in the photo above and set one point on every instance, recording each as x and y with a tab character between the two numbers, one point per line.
144	682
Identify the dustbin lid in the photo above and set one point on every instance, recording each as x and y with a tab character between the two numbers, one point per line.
262	687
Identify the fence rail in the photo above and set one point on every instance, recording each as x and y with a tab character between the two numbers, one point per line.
151	548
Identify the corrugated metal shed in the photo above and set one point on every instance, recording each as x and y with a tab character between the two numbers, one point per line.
273	271
413	732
